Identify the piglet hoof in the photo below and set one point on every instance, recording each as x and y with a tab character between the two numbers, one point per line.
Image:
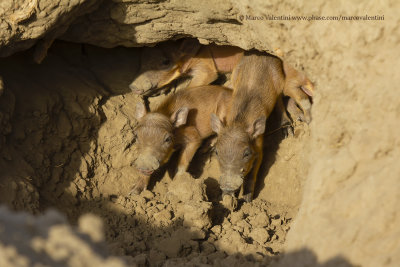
307	116
248	197
288	131
139	185
181	172
230	202
308	89
305	105
298	116
136	190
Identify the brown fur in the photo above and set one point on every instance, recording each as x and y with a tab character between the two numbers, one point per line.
258	82
155	128
203	63
294	81
295	113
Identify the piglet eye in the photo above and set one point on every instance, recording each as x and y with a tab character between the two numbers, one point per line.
166	62
246	153
168	139
216	152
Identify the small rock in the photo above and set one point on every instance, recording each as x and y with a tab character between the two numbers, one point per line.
160	206
196	214
274	237
237	216
147	194
151	203
260	220
194	245
170	246
164	215
207	248
216	229
229	202
128	237
156	256
186	188
276	222
218	255
140	210
259	235
238	228
116	249
141	246
140	259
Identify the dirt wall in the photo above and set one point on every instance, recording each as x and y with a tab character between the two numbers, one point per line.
71	146
66	132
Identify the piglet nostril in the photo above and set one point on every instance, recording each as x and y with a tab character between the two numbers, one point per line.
146	171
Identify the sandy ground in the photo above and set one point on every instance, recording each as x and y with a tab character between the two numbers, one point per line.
72	147
67	142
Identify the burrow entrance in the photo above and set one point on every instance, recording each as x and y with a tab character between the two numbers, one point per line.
70	145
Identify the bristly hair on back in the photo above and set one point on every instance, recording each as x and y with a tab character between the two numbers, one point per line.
247	105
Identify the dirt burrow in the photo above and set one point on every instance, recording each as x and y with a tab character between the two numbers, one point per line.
65	126
69	144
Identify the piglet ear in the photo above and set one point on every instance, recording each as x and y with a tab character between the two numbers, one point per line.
216	124
140	110
179	117
187	50
189	47
257	128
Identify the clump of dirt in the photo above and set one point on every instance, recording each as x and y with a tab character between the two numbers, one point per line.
70	145
160	227
47	240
